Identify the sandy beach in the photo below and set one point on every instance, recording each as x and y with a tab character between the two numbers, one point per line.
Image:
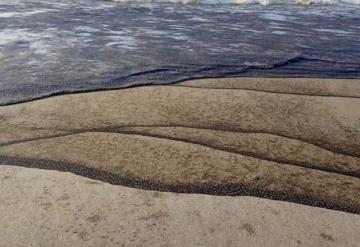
211	162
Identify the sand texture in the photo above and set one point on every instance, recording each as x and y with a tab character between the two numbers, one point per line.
294	140
49	208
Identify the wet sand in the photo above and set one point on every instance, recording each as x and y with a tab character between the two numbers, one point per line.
295	140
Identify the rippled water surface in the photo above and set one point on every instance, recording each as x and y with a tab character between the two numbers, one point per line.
49	47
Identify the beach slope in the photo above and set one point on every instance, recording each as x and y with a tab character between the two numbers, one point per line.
237	140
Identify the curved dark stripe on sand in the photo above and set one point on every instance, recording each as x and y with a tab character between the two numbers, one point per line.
283	146
225	190
132	130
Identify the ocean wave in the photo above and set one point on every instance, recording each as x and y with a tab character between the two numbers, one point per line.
48	47
261	2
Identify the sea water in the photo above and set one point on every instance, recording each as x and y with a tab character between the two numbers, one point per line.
57	46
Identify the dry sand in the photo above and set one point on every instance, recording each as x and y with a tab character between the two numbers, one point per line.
49	208
294	140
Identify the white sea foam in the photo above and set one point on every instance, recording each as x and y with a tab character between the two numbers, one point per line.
10	14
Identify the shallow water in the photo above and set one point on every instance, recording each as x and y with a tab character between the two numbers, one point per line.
49	47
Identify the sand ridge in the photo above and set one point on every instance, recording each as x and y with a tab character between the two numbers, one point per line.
182	138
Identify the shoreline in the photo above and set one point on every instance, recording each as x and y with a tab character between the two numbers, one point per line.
184	82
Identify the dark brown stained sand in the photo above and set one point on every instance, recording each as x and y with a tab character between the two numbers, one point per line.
287	146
